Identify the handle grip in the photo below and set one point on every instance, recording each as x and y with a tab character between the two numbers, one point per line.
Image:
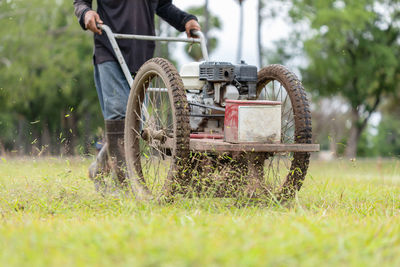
194	33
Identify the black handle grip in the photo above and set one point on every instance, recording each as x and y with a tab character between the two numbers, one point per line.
193	33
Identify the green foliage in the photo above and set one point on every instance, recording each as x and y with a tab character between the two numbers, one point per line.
387	141
366	146
45	61
214	24
352	50
163	48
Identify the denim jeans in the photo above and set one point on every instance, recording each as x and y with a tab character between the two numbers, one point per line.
112	90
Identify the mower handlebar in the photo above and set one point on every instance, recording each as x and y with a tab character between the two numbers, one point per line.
113	36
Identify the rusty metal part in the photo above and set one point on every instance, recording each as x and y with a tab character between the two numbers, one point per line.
221	146
207	115
206	136
206	106
149	134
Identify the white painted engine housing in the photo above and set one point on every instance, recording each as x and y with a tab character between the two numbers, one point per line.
190	76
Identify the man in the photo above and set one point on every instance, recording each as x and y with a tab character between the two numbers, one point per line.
129	17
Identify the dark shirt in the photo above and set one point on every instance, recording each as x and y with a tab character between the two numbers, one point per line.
130	17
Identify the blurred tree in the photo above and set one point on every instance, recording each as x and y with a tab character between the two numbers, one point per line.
163	48
240	36
329	118
46	75
213	23
6	122
366	146
352	50
387	140
260	7
206	26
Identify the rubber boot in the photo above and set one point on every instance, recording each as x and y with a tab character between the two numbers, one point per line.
116	152
99	168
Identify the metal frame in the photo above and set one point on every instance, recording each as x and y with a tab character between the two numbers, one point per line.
215	145
113	36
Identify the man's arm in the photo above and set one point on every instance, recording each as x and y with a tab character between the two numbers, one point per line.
182	21
86	16
81	7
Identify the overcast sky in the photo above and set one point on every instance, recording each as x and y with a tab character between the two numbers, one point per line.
228	12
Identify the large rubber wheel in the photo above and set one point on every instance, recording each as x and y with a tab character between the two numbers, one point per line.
284	173
157	130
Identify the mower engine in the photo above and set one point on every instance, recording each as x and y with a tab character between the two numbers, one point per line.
209	84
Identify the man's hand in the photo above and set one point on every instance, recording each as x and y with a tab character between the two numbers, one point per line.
192	25
91	19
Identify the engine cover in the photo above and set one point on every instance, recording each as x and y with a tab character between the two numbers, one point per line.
190	76
242	76
246	75
217	72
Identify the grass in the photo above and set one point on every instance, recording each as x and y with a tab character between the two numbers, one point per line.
346	214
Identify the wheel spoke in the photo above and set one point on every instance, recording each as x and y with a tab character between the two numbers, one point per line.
152	120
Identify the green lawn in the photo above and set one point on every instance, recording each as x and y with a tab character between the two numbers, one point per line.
346	214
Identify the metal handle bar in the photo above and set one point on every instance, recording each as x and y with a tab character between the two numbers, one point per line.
113	36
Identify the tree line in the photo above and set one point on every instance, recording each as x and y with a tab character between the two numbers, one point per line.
47	104
349	53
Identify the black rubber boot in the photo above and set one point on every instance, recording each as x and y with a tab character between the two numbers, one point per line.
116	152
99	168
